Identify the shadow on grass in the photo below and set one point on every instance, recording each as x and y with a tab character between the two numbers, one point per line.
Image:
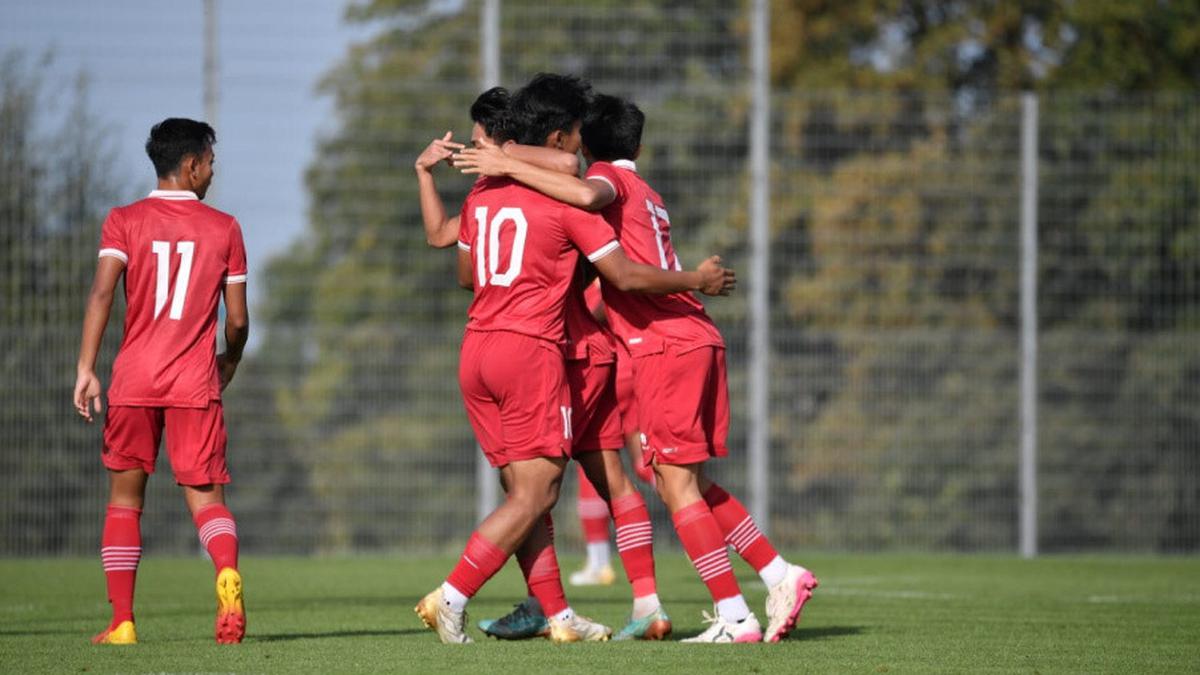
285	637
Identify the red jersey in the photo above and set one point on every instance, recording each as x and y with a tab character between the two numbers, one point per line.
648	322
178	256
525	247
586	337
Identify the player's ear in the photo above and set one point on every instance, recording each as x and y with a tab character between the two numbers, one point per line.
556	139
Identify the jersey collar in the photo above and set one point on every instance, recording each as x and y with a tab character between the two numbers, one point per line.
172	194
626	164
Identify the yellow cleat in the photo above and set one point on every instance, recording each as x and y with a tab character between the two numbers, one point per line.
578	629
123	634
231	614
436	614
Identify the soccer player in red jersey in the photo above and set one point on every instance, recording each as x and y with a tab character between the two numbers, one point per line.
179	257
518	249
679	375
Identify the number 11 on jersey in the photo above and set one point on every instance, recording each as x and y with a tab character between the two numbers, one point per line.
162	252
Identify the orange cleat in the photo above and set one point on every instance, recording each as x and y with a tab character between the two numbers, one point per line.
231	614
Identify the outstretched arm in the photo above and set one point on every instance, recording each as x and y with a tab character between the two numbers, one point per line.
95	319
489	160
709	277
237	331
440	231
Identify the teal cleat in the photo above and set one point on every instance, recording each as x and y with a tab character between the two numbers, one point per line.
524	622
654	626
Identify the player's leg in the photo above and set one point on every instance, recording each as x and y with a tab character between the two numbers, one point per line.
196	445
635	542
131	438
593	520
789	586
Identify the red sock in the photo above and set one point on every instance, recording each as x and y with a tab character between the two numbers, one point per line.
120	552
739	529
218	535
635	542
593	512
479	562
702	541
539	564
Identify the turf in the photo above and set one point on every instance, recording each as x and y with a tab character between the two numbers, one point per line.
873	613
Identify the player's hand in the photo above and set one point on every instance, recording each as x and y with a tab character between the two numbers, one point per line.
87	394
715	279
438	150
487	159
226	367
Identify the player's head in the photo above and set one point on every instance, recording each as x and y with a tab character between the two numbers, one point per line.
489	113
612	129
549	111
182	149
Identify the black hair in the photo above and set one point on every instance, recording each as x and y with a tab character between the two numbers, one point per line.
490	110
547	104
175	138
612	129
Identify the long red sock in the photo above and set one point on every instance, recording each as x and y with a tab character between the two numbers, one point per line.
539	564
739	528
120	552
635	542
479	562
593	512
702	541
218	535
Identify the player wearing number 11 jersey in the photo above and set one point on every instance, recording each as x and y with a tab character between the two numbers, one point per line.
178	257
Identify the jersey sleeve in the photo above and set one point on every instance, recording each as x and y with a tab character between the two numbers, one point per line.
235	269
113	242
466	228
608	173
589	232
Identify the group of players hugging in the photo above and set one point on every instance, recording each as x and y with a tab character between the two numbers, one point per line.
583	337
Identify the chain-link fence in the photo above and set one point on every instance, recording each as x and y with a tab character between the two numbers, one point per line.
895	305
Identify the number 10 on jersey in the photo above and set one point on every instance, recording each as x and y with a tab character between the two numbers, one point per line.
487	245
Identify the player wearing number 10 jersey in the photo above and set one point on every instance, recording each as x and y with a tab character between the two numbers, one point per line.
178	258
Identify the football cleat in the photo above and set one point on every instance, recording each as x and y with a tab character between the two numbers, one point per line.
436	614
231	614
578	629
720	631
122	634
785	600
524	622
593	577
653	626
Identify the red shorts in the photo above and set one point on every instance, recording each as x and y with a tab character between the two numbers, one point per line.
625	398
595	419
515	391
682	404
195	441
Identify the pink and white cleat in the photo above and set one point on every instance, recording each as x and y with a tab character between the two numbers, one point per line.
720	631
785	600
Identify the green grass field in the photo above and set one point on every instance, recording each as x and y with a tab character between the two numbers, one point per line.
872	613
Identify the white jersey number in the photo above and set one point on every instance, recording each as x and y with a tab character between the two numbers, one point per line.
487	246
162	251
662	236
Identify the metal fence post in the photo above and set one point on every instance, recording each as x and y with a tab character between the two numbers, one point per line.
486	492
1029	328
758	384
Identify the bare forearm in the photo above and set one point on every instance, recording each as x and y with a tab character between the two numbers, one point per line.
95	319
563	187
646	279
547	158
440	231
236	336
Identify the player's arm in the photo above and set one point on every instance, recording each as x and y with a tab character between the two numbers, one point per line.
488	160
548	158
441	231
237	331
95	319
465	270
709	277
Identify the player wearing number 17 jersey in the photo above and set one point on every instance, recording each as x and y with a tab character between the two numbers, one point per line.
178	257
